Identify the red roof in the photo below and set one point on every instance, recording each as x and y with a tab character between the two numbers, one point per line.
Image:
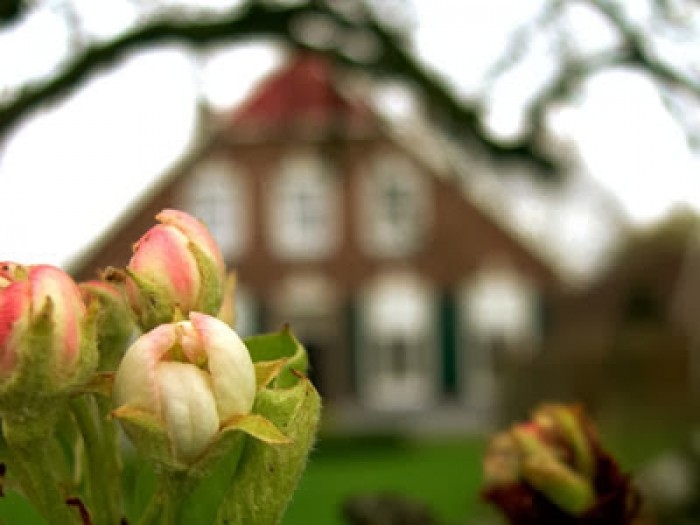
302	93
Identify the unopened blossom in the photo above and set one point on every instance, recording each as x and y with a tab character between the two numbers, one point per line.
185	380
176	268
46	335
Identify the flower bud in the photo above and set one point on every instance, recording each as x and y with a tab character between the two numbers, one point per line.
553	470
115	325
176	268
179	384
47	342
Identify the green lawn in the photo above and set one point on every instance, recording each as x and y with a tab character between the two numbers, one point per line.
444	474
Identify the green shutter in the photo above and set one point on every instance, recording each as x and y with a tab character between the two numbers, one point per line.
544	315
448	343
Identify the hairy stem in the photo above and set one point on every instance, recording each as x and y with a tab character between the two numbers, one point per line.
34	465
100	473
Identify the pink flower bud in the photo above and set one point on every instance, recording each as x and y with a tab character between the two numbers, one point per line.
186	378
176	268
45	341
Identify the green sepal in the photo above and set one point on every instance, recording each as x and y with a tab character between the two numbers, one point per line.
278	345
223	443
88	354
267	476
33	379
155	307
267	371
211	292
257	427
217	466
115	328
148	435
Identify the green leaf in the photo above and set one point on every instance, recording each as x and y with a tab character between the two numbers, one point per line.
267	476
278	345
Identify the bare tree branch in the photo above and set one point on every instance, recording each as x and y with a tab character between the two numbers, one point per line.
10	11
257	19
287	23
640	52
634	51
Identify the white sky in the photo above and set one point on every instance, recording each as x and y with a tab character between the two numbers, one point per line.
69	171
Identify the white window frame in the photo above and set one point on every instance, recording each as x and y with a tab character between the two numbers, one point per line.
398	309
393	177
498	314
304	208
216	193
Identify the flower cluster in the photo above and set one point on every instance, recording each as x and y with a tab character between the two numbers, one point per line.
187	390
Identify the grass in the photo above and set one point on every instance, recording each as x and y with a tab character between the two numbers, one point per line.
443	474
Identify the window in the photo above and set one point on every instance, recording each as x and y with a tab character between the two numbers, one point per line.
304	212
215	195
499	319
394	211
397	354
503	305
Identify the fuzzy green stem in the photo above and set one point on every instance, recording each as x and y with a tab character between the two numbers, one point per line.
34	466
165	507
176	487
111	456
100	475
152	514
22	476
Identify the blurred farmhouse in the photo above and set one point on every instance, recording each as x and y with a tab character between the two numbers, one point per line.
416	301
